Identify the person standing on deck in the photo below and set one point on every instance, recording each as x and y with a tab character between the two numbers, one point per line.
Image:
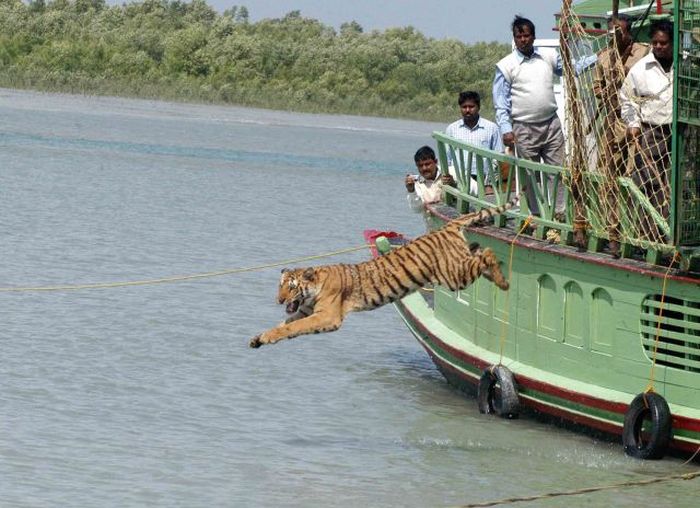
426	187
646	100
614	63
475	130
526	110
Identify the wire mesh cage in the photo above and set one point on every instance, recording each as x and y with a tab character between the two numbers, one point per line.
619	121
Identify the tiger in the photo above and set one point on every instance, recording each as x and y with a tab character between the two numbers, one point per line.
317	299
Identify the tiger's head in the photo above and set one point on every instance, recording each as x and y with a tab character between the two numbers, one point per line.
296	288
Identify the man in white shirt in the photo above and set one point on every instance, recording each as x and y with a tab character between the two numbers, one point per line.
426	187
475	130
646	101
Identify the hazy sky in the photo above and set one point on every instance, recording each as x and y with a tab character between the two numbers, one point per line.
466	20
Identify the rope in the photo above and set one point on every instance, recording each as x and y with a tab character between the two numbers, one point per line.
526	223
165	280
648	481
692	457
650	386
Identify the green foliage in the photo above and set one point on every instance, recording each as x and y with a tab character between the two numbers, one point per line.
176	49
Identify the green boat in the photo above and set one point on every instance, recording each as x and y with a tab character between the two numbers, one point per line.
587	338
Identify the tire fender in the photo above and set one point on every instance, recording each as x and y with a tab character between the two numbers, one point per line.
498	392
653	442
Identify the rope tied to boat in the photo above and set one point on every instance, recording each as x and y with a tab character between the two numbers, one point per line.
585	490
526	223
181	278
650	385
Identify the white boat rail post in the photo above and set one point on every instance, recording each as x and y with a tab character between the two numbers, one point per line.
517	172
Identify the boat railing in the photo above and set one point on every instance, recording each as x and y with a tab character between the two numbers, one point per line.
498	176
648	205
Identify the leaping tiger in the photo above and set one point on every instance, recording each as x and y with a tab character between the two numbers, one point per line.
317	299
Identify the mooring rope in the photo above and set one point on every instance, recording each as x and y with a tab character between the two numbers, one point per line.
504	323
586	490
165	280
650	386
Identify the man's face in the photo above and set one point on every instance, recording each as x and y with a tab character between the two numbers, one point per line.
524	39
662	46
427	168
621	31
470	110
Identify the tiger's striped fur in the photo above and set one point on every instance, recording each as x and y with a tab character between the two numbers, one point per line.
319	298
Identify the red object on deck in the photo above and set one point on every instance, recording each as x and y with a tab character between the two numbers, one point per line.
658	7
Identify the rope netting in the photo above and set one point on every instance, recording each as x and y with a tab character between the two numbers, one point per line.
618	135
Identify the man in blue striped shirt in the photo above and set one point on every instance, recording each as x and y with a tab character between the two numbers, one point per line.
475	130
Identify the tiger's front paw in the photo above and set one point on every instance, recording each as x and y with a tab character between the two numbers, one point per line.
255	342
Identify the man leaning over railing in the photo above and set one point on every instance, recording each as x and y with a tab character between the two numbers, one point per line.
426	186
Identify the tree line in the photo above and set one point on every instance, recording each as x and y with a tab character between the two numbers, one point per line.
172	49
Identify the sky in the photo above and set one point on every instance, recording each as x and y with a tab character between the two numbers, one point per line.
467	20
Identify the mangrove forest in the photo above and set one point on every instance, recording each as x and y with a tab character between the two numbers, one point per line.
188	51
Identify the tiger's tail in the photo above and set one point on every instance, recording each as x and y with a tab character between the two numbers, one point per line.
474	218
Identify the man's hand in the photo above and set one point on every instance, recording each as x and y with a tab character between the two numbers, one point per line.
633	133
448	180
509	139
410	183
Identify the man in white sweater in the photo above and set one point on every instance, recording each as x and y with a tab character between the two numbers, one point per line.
526	110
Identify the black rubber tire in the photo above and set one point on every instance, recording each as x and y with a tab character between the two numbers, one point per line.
655	445
498	392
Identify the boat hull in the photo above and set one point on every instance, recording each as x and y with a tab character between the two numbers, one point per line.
566	366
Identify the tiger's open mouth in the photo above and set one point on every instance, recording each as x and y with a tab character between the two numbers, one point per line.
292	307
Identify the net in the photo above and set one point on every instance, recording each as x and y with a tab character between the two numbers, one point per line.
618	131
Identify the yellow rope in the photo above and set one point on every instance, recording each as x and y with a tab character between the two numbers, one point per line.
68	287
650	386
504	323
648	481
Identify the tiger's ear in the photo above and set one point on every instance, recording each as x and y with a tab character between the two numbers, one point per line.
309	274
285	270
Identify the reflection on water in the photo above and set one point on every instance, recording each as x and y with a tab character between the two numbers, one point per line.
149	395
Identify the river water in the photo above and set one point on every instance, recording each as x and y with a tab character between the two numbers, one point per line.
149	396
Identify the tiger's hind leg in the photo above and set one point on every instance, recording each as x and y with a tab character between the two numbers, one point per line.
491	269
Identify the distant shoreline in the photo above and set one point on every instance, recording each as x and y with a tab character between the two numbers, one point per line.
187	52
188	95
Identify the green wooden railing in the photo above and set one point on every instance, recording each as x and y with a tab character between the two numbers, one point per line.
495	187
681	229
544	179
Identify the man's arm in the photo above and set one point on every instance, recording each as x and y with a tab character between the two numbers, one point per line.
581	64
629	109
502	103
414	200
599	79
496	143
